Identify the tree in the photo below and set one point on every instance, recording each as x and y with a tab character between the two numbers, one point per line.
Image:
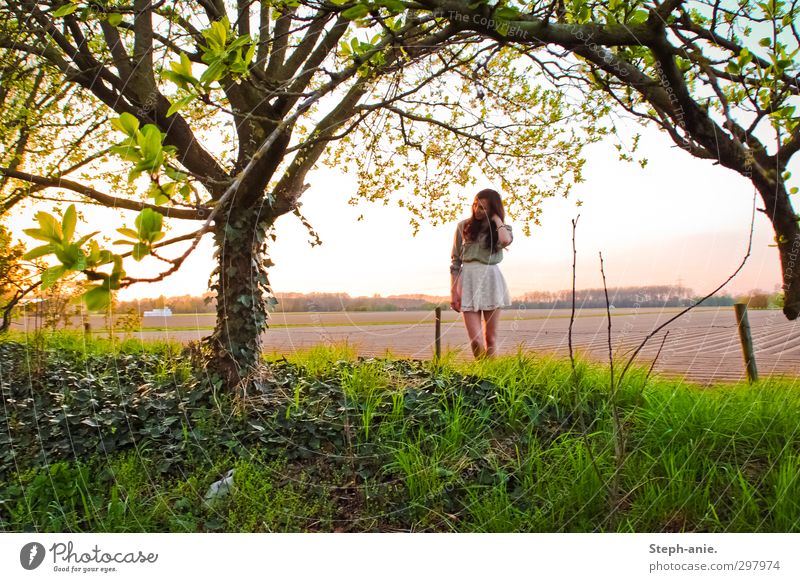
12	276
721	79
223	109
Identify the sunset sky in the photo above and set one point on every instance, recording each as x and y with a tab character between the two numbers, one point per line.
678	220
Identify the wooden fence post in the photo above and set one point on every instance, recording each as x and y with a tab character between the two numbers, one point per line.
438	338
747	341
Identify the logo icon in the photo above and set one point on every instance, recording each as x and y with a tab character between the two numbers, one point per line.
31	555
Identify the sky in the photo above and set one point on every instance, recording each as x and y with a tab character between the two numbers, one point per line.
680	220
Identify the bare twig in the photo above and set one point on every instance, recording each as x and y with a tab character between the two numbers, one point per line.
619	434
572	360
671	319
572	315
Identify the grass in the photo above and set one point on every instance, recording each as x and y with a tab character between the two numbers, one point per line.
514	443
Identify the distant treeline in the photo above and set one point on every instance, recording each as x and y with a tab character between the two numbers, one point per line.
651	296
292	302
179	304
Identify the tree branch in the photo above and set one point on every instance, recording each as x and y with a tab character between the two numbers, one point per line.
106	199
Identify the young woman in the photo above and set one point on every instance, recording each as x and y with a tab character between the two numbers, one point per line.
476	283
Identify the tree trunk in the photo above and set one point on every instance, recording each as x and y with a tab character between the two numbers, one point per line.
779	209
242	292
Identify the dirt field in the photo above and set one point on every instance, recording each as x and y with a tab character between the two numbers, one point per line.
703	345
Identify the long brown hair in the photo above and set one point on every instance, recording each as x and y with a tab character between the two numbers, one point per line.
473	227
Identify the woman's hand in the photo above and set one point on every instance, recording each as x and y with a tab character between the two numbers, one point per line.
502	233
455	292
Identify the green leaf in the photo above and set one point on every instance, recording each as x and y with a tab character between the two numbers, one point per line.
64	10
72	257
140	251
38	252
502	27
148	223
126	123
357	11
39	234
49	226
68	222
83	239
159	199
732	68
215	71
506	13
51	275
251	52
395	6
149	140
176	175
114	19
180	104
97	298
127	151
129	232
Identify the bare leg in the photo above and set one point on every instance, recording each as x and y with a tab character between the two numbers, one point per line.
472	320
491	319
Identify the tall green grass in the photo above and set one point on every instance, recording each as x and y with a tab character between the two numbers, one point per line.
513	443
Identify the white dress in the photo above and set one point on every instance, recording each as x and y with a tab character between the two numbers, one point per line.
483	287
